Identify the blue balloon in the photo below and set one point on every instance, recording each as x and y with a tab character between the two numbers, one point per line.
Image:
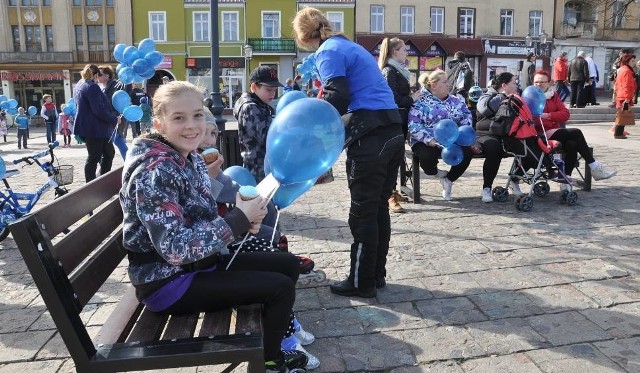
4	105
3	98
68	110
118	52
120	101
119	68
535	99
149	73
446	132
287	193
137	78
132	113
126	75
12	103
240	175
304	140
131	54
146	45
3	168
452	155
71	101
288	98
466	136
140	65
154	58
12	110
32	110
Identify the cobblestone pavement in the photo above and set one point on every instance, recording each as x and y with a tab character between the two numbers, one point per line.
472	287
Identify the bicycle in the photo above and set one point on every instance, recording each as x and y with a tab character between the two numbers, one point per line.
11	205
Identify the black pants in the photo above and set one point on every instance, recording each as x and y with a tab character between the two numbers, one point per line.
576	90
257	277
493	153
23	135
99	151
573	142
372	169
51	131
429	160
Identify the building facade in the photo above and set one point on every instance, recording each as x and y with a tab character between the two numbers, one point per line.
44	44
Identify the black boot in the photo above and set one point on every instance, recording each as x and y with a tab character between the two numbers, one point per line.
346	288
619	133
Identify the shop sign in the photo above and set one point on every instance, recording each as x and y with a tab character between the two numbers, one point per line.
430	63
167	63
223	63
14	76
513	47
409	47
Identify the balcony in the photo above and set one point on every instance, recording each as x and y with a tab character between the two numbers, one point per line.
273	46
35	57
96	57
582	29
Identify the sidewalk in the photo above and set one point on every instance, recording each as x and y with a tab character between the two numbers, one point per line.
472	287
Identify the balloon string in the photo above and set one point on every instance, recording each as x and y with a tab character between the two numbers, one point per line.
273	235
237	251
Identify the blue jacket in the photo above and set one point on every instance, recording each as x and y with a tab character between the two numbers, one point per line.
94	117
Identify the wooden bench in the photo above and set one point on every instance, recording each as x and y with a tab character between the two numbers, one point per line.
71	270
410	171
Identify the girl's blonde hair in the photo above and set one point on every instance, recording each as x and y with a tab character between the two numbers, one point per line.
428	79
310	24
169	91
386	50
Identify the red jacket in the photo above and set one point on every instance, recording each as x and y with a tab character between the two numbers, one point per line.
625	85
559	113
560	68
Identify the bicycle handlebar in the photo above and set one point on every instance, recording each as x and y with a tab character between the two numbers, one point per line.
39	154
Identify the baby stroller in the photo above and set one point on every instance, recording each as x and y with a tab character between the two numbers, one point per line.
534	162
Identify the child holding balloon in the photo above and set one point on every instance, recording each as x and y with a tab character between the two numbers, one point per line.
65	126
22	123
3	125
176	241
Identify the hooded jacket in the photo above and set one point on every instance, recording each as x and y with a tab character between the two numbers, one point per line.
254	119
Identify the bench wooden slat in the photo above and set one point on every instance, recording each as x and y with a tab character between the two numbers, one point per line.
216	323
90	275
67	249
249	319
119	324
181	326
149	327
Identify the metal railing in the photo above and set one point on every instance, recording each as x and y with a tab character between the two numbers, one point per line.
93	56
264	45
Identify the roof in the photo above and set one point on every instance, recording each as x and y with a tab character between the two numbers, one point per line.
471	47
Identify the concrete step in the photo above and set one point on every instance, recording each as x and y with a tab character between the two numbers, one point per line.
600	109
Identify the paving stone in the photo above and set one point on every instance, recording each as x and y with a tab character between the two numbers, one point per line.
375	352
559	298
502	279
450	311
437	367
565	328
513	363
402	290
596	269
621	321
417	268
48	366
625	352
608	293
333	322
441	343
20	347
18	320
395	316
505	304
579	358
448	286
506	336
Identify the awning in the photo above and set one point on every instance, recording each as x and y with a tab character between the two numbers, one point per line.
471	47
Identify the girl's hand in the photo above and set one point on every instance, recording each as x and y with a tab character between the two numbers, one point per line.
255	209
255	228
432	143
417	95
214	168
545	116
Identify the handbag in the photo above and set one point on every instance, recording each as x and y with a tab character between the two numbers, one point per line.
625	116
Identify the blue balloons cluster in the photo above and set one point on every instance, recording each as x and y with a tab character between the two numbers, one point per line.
307	69
10	106
304	141
121	101
137	64
288	98
240	175
71	108
453	138
535	99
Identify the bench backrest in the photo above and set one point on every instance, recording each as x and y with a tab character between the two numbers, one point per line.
70	271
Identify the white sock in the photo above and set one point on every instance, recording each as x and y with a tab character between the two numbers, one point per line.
593	165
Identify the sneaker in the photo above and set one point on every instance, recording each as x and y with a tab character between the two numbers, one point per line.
515	188
602	172
291	359
446	188
438	175
306	264
312	361
486	195
304	337
399	196
394	206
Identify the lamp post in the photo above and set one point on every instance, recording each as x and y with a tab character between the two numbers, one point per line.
248	53
215	102
538	43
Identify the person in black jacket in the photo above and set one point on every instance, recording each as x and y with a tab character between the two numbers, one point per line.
393	55
460	76
110	85
578	76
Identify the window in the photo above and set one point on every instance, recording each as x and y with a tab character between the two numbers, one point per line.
30	2
535	22
15	31
437	20
618	14
406	19
200	26
270	25
94	38
13	2
111	37
336	19
466	22
79	37
48	30
506	22
93	3
230	26
377	19
158	26
77	2
33	38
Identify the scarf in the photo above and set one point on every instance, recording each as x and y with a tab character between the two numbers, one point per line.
402	69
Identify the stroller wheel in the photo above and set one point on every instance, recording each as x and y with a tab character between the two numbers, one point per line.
500	194
563	196
572	198
541	189
524	203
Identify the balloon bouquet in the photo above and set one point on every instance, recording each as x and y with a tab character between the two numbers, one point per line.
9	106
136	65
307	68
452	138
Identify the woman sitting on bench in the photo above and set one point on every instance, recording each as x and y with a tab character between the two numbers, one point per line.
176	241
572	139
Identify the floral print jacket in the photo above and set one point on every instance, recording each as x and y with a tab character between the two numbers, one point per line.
429	110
